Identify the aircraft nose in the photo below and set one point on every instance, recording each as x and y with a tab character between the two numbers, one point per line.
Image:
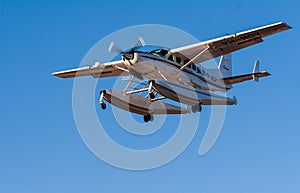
130	58
127	56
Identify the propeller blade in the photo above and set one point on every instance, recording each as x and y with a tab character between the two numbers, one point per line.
113	48
128	55
141	40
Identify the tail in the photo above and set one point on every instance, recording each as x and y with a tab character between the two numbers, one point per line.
225	65
255	71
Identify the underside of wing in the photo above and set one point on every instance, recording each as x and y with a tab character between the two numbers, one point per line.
207	50
98	70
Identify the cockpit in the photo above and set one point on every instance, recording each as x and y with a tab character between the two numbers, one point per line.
162	52
158	51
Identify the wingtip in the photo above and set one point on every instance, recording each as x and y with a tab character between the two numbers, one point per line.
287	25
55	74
58	74
265	73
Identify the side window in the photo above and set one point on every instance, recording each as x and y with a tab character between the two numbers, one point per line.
198	70
194	67
164	53
179	60
172	57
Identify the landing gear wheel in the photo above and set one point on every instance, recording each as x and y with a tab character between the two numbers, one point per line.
103	106
200	107
196	108
152	95
148	118
151	117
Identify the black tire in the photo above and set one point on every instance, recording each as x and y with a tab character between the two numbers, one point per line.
103	106
200	107
147	118
152	95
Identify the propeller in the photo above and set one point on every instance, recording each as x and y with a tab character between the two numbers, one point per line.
114	48
128	55
140	42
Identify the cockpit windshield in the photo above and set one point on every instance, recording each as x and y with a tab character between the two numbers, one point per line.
146	49
160	52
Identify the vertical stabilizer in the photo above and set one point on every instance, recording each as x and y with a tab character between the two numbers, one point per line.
225	65
256	70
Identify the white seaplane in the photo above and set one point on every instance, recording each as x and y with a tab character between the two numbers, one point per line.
175	74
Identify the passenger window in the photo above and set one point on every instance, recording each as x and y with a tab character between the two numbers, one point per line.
194	67
198	70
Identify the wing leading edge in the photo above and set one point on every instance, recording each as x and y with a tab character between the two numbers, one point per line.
98	70
227	44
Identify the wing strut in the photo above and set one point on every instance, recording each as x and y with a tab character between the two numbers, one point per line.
191	61
120	68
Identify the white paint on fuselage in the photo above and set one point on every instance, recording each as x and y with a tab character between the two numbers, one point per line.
151	67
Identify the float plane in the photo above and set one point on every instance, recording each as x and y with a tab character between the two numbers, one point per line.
157	73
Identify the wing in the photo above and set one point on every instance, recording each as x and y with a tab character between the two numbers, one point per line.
207	50
98	70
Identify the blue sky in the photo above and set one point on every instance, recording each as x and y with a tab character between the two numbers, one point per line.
41	150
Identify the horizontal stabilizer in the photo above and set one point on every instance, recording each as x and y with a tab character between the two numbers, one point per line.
242	78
